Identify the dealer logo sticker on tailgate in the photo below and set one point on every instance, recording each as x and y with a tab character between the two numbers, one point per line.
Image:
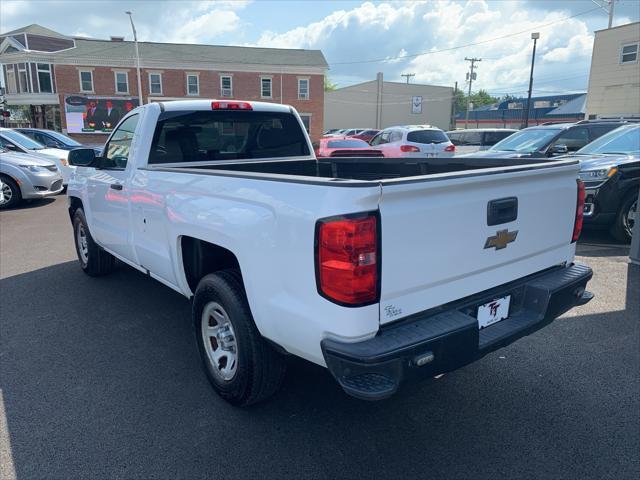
501	239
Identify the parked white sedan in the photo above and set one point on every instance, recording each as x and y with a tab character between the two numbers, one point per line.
413	141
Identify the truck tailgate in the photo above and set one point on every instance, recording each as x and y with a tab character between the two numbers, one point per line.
434	232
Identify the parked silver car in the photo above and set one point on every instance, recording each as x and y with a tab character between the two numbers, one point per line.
24	176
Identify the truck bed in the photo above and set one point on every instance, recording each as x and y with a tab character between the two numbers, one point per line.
359	169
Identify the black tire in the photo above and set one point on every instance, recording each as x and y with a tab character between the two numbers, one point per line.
259	369
96	262
622	228
13	190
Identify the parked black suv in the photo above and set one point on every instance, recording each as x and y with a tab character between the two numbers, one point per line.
610	170
550	140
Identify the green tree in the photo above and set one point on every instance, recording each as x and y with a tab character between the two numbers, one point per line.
329	86
479	99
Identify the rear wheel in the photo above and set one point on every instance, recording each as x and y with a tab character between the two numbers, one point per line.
626	217
11	195
243	367
94	261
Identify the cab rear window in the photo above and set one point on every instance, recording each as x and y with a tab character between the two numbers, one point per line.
201	136
427	136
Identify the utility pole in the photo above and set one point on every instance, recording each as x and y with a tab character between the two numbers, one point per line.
534	36
471	77
408	75
610	12
135	41
607	6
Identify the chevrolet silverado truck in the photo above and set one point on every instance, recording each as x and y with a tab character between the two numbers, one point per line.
382	270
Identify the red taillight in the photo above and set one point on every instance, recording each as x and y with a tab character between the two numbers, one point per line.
347	260
450	148
409	148
231	106
577	226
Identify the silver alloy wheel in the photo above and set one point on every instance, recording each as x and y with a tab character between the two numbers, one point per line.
83	246
630	217
219	341
7	194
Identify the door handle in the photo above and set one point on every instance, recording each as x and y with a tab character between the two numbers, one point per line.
116	186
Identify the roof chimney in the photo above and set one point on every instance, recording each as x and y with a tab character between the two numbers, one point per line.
117	39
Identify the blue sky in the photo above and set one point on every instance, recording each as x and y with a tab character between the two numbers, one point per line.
428	38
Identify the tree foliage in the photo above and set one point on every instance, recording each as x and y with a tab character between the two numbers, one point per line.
479	99
329	86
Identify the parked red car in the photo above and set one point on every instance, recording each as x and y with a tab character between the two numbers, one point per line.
344	147
367	135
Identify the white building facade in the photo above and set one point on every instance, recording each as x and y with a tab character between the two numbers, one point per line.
614	80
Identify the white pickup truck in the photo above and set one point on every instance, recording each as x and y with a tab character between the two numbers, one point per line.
381	270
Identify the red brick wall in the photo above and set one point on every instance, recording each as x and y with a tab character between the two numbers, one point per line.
246	86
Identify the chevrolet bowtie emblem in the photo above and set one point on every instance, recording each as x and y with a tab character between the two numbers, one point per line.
501	239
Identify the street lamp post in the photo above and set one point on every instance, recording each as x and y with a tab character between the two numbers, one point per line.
534	36
135	41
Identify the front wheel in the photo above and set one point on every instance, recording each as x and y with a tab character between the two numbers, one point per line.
241	365
626	217
10	192
94	261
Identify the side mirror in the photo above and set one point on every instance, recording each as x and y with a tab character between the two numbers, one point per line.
559	150
10	146
82	157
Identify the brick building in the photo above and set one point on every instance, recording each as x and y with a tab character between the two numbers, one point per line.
66	81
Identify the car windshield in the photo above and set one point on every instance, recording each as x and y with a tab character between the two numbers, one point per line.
64	139
625	140
347	144
526	141
22	140
427	136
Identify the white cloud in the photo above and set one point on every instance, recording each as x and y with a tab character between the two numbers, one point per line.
397	58
394	32
579	46
208	25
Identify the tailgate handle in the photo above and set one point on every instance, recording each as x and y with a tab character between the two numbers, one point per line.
502	210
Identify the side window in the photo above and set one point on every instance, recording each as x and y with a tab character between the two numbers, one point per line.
381	138
574	138
473	138
491	138
599	130
455	138
117	150
396	136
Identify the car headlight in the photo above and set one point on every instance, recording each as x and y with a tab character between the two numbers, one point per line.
599	174
34	168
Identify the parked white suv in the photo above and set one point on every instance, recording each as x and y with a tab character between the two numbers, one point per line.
413	141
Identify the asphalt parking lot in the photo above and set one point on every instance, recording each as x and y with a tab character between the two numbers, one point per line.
100	378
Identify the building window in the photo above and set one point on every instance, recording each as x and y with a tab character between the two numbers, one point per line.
86	81
122	82
155	83
11	79
23	80
44	77
226	86
303	88
629	53
265	90
306	121
193	84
